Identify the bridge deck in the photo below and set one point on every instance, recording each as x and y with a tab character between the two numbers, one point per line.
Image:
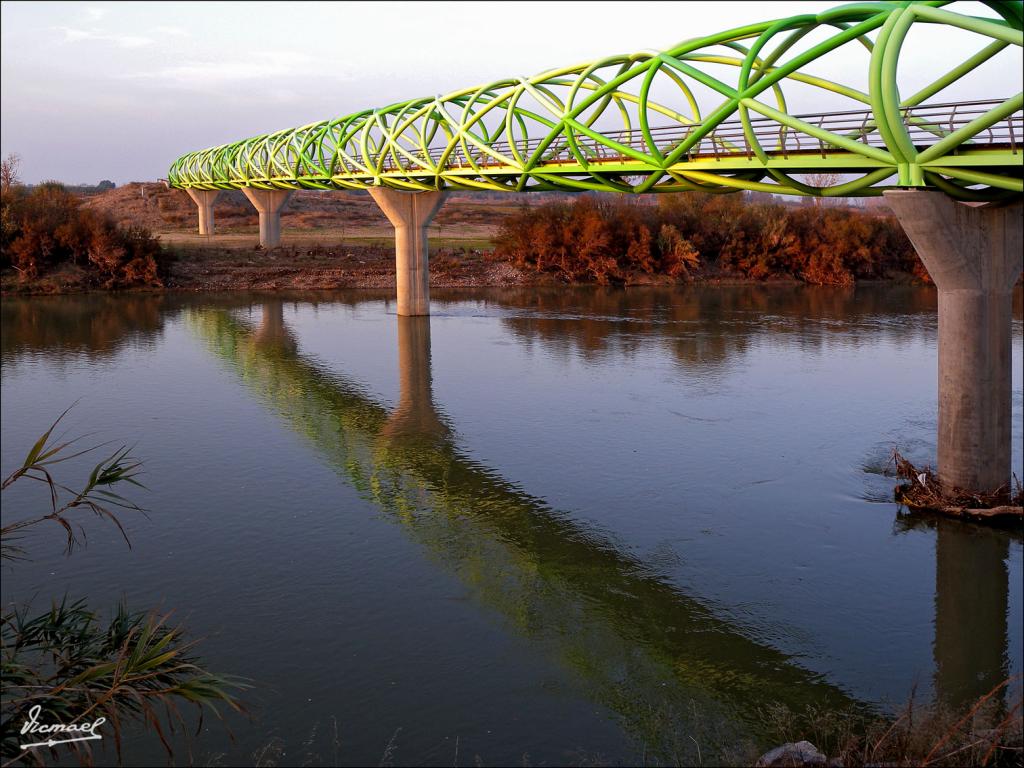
926	125
732	146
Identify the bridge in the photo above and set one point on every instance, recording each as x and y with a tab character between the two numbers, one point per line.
634	123
712	114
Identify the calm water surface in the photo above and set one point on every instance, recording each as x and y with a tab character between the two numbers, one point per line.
568	524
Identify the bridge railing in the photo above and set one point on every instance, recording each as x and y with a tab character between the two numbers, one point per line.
926	125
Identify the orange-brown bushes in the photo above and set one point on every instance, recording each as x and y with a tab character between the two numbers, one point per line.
595	240
45	228
608	240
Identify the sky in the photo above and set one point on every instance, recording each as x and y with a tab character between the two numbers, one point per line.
97	90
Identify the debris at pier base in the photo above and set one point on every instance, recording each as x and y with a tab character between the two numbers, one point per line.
924	491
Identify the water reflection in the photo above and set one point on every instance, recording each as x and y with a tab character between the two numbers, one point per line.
644	648
704	325
97	325
971	601
972	596
272	331
415	417
707	326
650	649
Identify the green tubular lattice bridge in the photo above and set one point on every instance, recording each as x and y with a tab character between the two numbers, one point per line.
633	123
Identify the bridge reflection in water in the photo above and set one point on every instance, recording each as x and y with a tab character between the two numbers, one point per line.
641	646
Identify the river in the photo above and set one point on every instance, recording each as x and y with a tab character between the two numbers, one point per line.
544	524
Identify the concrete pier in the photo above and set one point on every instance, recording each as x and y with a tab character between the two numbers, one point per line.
269	203
410	213
204	200
974	255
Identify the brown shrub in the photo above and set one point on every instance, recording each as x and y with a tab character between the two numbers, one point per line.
45	228
608	240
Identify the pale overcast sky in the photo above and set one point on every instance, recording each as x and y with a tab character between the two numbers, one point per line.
99	90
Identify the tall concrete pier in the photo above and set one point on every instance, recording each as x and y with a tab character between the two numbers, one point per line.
410	213
204	200
269	202
974	255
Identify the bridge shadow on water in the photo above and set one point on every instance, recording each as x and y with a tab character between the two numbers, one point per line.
642	646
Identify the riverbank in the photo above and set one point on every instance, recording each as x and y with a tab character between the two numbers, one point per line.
63	244
307	261
326	266
292	267
330	241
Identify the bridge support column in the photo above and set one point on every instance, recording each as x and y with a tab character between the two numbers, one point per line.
410	213
974	256
269	203
204	199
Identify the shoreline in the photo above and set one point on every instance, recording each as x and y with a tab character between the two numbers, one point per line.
195	268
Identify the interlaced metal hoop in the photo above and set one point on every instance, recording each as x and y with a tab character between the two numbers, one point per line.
634	123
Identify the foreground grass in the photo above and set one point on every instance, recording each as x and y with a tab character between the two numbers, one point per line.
988	732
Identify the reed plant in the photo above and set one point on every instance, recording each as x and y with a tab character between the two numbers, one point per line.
75	665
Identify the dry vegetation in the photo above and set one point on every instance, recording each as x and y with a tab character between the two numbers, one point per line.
924	491
609	240
985	732
45	231
55	241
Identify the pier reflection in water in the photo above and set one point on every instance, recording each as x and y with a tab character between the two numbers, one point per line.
645	649
656	649
415	417
971	606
